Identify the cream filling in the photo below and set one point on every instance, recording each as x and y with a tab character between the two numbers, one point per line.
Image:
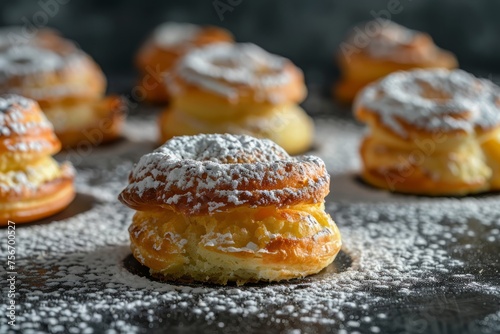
32	176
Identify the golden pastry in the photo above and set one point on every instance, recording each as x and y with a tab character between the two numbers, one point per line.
381	47
69	86
32	184
239	89
222	208
169	42
432	132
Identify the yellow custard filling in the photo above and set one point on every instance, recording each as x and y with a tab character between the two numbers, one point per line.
236	228
244	244
32	175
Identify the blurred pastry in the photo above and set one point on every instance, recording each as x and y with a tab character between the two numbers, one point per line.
43	37
169	42
432	132
239	89
221	208
32	184
69	86
381	47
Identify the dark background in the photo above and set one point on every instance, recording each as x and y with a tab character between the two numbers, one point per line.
308	32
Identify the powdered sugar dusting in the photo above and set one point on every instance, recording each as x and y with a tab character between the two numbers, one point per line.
457	101
24	68
14	110
224	149
25	129
172	34
35	145
27	60
222	67
390	41
219	171
410	264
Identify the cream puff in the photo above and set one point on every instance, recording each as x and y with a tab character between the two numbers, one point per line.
68	85
166	45
230	208
432	132
238	89
380	47
32	184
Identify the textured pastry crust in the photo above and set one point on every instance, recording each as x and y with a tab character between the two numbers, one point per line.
491	149
168	43
432	132
266	244
32	184
25	133
258	172
457	171
393	48
48	76
231	88
242	73
66	83
49	199
222	208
